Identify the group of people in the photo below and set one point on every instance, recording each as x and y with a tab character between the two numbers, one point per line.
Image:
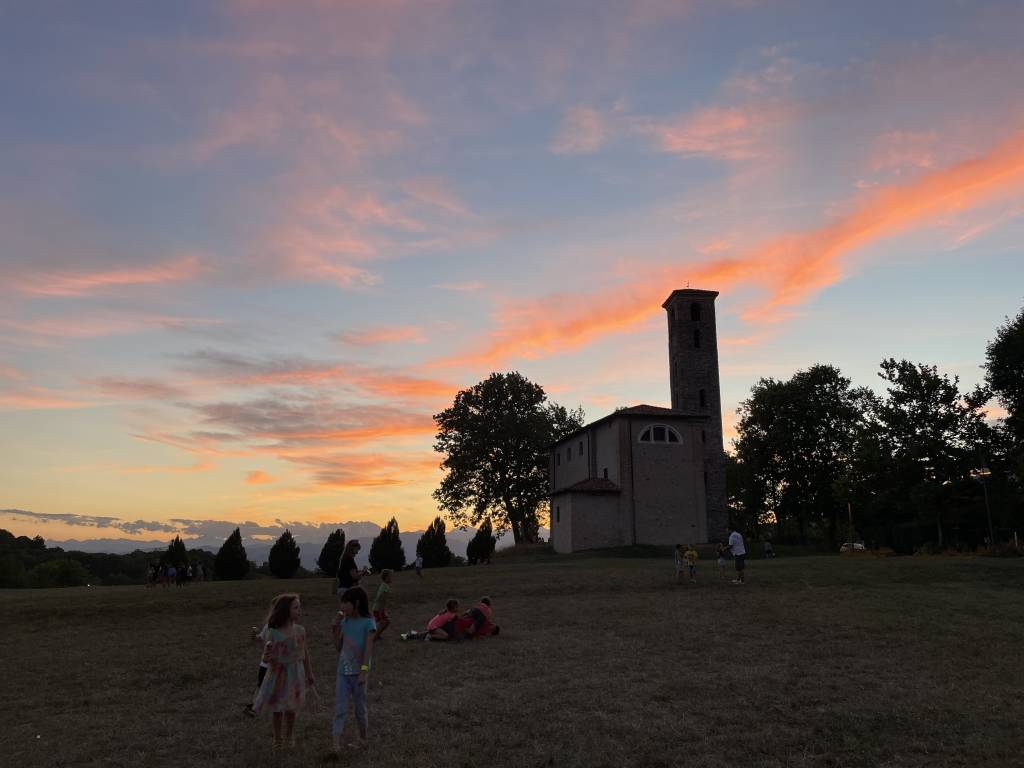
286	677
166	574
686	558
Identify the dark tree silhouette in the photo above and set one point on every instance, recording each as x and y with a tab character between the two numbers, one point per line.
284	556
433	546
495	440
327	562
231	561
481	547
177	554
386	550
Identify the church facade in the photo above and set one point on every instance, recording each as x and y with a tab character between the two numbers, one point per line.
650	475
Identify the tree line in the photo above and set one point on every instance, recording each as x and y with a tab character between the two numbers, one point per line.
917	466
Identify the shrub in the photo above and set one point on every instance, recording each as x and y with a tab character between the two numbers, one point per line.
231	561
327	562
999	550
59	573
433	546
284	556
386	550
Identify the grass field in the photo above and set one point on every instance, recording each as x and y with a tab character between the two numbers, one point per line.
817	661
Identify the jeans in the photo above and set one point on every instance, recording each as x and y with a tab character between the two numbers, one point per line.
346	687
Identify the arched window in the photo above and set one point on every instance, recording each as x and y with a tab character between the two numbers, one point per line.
703	399
696	338
660	433
695	311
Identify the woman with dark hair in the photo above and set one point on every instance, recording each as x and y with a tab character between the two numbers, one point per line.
349	573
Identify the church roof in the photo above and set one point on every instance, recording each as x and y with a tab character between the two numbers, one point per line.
635	410
590	485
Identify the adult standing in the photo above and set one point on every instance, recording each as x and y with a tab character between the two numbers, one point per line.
739	554
418	564
348	572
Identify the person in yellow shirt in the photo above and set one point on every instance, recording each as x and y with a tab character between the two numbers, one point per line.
691	562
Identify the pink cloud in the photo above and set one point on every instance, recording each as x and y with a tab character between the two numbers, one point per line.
731	133
583	130
137	389
384	334
71	282
258	477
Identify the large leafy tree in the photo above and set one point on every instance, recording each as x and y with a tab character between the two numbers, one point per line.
495	439
1004	373
386	550
433	546
915	454
795	441
330	554
231	561
284	556
481	547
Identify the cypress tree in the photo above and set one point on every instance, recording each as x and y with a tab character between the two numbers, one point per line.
176	552
386	550
327	562
433	546
231	561
481	547
284	556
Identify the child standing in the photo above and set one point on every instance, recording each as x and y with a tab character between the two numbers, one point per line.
354	631
380	602
680	558
721	560
289	671
691	562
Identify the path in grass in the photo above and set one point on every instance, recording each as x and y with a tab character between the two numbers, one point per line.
601	662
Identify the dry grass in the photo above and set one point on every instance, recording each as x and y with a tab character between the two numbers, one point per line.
602	662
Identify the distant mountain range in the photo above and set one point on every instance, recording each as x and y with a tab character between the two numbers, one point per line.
258	547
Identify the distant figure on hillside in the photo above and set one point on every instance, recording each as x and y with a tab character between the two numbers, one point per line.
769	550
172	575
354	632
349	573
200	574
380	602
418	564
739	555
289	673
723	550
691	562
152	575
679	556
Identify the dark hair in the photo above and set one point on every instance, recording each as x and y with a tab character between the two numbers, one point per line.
351	545
485	600
451	605
357	596
280	609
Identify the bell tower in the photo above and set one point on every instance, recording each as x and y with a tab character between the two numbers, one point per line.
693	376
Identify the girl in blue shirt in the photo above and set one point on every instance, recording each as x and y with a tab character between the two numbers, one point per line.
354	630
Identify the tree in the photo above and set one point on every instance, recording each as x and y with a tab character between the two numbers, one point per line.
433	546
63	572
284	556
327	562
386	550
1004	373
495	440
177	554
914	455
231	561
795	441
481	547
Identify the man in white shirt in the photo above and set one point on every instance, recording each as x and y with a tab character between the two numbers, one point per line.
739	554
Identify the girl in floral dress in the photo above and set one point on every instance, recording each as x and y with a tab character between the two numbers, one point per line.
290	672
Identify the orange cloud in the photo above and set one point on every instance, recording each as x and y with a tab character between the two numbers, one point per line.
258	477
731	133
791	267
69	282
137	389
36	399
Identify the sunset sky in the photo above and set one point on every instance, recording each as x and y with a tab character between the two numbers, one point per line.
248	248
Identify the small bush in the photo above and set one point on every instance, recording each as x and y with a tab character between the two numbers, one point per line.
59	573
999	550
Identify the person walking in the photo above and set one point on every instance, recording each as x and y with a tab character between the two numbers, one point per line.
739	555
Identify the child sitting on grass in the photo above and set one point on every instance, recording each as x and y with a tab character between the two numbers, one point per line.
380	602
289	671
354	631
441	627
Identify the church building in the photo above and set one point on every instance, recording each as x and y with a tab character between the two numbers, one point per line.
650	475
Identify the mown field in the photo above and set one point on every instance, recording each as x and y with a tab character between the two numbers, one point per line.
817	661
